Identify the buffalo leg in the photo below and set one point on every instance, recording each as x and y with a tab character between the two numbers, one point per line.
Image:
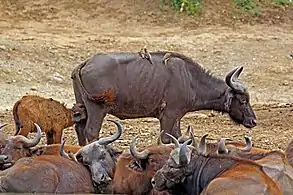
79	129
49	137
94	121
79	126
57	137
171	125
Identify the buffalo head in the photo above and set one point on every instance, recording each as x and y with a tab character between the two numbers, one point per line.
174	171
3	137
19	146
99	157
238	100
78	112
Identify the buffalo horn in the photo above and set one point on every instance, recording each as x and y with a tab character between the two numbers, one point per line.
140	155
62	151
183	156
3	125
222	149
202	144
159	139
108	140
232	77
33	142
194	142
175	141
248	146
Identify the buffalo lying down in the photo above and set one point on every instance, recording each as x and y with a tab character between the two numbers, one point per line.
191	171
135	169
96	160
129	86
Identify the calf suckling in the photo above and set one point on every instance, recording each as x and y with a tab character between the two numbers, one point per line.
49	114
124	83
190	170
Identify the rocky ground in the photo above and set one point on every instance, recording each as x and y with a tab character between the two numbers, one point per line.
40	44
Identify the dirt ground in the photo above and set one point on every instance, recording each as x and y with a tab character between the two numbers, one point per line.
40	44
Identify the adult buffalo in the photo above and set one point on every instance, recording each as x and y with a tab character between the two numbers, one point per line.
129	86
192	171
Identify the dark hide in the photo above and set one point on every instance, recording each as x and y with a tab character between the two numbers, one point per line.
124	84
196	175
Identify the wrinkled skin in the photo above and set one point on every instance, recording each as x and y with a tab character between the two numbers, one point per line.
180	85
46	174
189	172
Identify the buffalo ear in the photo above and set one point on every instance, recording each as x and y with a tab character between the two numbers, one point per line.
136	165
36	151
115	153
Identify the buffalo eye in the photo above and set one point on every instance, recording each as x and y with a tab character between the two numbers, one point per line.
151	161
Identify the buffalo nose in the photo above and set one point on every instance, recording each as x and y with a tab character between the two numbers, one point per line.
3	158
253	122
153	182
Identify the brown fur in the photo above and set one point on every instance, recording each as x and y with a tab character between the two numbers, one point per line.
241	179
49	114
133	182
54	149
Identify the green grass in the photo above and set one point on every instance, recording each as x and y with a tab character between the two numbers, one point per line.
248	6
283	2
190	7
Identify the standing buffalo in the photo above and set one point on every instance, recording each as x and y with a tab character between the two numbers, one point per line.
51	115
192	171
129	86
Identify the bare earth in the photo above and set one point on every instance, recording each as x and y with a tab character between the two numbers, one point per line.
41	43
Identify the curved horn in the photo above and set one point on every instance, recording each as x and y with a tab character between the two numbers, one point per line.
108	140
175	141
248	146
194	142
232	77
3	125
33	142
202	144
159	139
183	156
140	155
62	151
222	149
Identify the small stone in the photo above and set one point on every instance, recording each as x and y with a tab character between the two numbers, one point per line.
33	88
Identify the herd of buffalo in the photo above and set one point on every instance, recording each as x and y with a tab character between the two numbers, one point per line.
164	85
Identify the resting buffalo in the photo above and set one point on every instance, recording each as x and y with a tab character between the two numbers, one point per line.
274	163
94	170
129	86
192	171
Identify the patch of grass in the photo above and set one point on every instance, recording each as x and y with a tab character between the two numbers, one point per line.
283	2
248	6
190	7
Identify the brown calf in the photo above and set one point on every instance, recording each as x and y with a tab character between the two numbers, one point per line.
192	171
51	115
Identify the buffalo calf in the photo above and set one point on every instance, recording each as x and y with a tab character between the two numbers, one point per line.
51	115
